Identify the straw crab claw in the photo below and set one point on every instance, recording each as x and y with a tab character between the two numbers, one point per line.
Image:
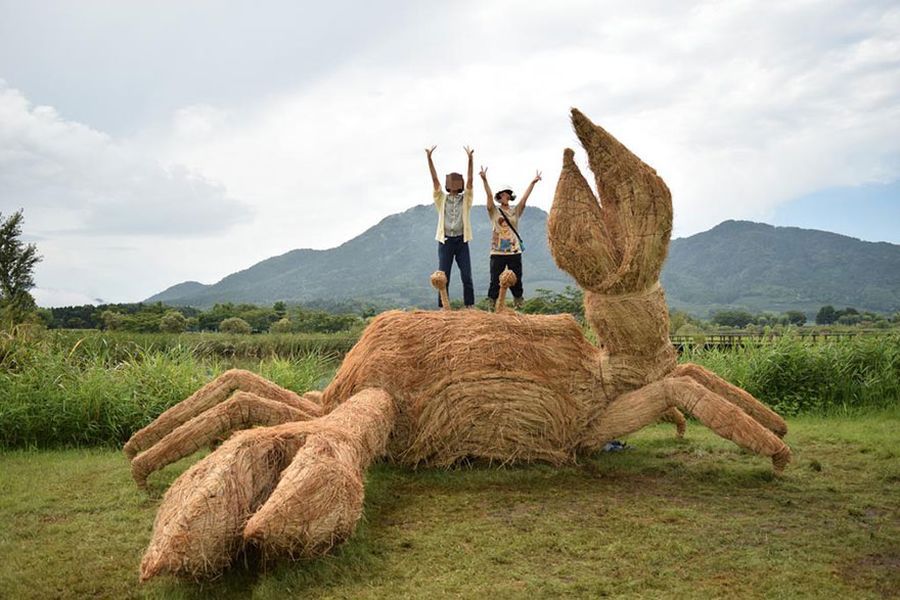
616	244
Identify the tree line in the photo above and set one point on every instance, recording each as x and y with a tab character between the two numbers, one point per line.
18	259
226	317
743	319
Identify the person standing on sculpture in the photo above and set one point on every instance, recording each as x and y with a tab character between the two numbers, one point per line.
506	244
454	228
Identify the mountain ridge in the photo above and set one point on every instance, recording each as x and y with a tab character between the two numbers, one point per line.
736	264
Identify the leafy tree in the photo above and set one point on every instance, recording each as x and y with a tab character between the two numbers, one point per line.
826	315
235	325
112	320
846	311
850	319
283	325
767	319
570	300
142	322
795	317
173	322
679	319
280	309
319	321
17	261
733	318
44	316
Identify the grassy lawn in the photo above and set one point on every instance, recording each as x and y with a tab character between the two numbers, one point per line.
690	518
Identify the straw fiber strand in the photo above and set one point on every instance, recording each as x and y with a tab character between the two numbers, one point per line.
319	499
642	407
198	529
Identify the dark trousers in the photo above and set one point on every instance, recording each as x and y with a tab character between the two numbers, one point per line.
455	247
499	262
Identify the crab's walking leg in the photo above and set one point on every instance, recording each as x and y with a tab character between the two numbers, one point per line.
320	496
241	411
639	408
750	405
315	469
214	392
674	416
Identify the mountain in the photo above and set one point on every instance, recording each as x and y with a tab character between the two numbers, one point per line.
389	264
735	264
761	267
181	290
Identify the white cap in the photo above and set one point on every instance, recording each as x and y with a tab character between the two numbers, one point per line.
505	188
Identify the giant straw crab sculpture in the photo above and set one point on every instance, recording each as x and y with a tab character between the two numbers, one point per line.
435	387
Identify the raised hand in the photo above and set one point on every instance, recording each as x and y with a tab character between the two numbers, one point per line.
469	151
537	177
428	151
483	173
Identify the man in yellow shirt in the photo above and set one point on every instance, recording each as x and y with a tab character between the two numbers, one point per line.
454	228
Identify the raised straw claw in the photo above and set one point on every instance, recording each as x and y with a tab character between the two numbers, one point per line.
615	245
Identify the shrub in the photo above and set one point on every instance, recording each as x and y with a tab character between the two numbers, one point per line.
173	322
235	325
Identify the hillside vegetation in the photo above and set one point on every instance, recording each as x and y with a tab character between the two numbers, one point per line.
736	264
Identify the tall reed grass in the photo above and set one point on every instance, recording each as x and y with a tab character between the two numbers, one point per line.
97	392
795	376
122	344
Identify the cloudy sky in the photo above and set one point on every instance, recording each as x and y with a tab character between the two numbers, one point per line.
155	142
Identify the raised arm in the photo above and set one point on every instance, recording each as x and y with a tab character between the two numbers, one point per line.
434	177
487	189
520	207
469	152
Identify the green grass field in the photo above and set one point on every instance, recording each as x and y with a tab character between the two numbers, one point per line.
691	518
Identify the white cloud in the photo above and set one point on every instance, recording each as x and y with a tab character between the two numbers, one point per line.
740	106
110	220
50	297
76	180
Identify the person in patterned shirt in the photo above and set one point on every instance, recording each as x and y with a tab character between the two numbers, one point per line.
506	246
454	228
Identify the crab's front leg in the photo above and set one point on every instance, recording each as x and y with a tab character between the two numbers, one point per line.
644	406
293	489
750	405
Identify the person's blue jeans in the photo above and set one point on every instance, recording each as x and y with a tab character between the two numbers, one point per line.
455	247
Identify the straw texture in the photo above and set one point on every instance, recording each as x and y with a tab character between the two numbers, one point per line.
507	280
216	391
439	282
314	503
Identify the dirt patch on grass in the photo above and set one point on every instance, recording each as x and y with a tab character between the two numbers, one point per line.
879	572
